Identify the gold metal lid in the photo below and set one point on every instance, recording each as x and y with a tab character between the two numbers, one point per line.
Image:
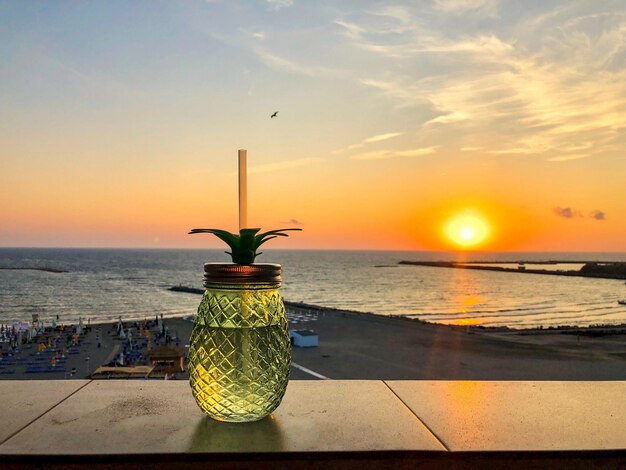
241	273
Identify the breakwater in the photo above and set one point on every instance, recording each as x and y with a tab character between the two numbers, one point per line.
44	269
609	270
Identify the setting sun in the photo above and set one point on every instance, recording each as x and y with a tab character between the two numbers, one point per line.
467	230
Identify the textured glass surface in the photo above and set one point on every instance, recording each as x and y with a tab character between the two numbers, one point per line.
240	353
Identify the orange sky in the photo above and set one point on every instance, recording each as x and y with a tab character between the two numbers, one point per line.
128	137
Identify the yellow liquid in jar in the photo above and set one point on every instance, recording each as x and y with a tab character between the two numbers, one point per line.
240	354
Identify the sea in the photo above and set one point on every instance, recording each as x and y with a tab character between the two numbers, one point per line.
105	284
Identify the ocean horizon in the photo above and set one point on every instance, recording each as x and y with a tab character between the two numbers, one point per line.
103	284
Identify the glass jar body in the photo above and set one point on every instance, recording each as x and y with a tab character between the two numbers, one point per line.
240	353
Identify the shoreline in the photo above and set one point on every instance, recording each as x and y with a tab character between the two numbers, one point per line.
564	329
592	330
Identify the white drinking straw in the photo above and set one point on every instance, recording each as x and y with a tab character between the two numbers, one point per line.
243	189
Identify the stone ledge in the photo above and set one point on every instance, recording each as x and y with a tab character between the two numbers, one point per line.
343	423
520	416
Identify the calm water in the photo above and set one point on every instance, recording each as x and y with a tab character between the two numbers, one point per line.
104	284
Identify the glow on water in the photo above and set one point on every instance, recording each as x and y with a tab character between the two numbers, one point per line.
104	284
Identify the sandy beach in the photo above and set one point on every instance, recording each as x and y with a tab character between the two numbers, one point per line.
361	346
357	346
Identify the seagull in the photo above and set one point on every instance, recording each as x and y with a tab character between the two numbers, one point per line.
274	115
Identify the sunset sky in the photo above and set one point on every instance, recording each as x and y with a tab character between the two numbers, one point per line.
120	122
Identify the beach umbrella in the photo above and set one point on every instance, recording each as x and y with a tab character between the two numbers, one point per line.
122	334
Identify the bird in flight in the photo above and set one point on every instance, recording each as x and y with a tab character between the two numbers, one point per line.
274	115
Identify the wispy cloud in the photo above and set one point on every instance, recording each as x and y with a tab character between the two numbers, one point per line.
554	87
464	6
292	222
566	158
381	137
570	213
370	140
385	154
351	30
279	4
566	212
288	65
254	34
448	118
598	215
470	149
284	165
417	152
517	150
474	44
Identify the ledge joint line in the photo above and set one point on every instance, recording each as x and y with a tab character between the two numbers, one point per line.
45	412
418	418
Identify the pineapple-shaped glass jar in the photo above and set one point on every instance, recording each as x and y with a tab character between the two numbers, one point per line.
240	352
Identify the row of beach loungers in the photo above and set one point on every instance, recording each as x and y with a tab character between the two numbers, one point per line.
37	362
300	316
48	368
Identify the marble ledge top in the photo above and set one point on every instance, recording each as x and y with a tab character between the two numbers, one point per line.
82	417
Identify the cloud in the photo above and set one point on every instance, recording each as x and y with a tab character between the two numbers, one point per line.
378	155
464	6
381	137
566	158
475	44
448	118
547	82
279	4
351	30
284	165
253	34
401	14
566	212
385	154
470	149
418	151
569	213
515	150
551	85
292	222
287	65
370	140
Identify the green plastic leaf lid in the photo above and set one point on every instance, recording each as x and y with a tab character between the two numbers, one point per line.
243	247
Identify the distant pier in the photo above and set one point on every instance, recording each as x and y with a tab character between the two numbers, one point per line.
187	289
603	270
45	269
